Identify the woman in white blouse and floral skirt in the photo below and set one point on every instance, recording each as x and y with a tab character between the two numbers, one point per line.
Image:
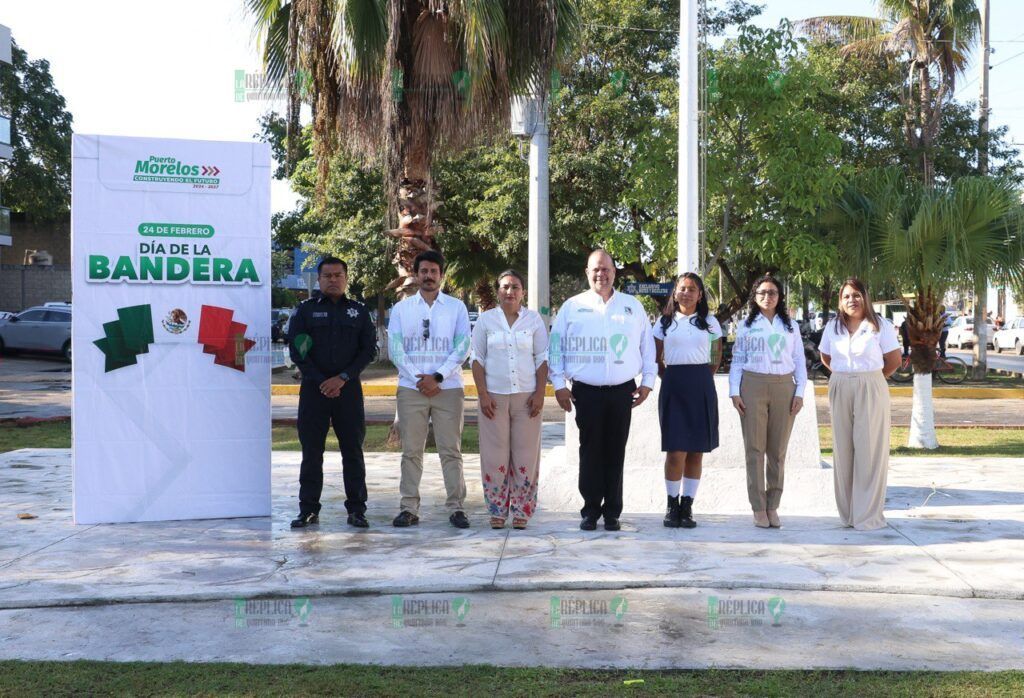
687	341
509	359
862	349
766	384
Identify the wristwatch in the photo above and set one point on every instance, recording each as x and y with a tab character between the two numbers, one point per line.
439	378
344	377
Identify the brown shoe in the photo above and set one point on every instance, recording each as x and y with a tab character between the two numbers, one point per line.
497	522
761	520
519	524
773	519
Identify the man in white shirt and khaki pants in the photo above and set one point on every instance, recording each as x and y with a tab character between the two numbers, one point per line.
601	341
428	335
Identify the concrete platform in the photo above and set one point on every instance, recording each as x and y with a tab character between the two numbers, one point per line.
939	588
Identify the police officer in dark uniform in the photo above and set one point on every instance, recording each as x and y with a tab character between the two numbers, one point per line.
331	339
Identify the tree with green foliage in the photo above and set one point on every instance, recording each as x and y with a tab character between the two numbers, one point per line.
773	162
891	227
36	180
401	82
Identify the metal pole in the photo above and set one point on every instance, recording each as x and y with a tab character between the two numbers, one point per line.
687	221
980	367
539	272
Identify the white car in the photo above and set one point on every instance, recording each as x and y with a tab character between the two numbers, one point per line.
1010	337
961	333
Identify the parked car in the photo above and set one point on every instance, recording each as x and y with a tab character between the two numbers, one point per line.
961	332
1010	337
43	328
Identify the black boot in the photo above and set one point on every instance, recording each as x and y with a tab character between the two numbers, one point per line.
686	512
672	512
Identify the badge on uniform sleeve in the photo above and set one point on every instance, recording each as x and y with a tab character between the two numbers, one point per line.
352	312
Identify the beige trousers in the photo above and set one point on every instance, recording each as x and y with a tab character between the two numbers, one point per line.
766	428
860	434
415	410
510	457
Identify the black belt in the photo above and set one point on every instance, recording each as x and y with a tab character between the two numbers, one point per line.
628	384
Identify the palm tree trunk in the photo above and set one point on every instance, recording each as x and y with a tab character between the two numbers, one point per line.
922	414
924	327
980	370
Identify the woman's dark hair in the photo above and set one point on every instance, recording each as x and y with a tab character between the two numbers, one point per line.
780	309
509	272
842	319
668	315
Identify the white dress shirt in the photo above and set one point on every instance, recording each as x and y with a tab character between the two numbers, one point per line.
446	322
601	343
768	347
861	351
684	342
510	355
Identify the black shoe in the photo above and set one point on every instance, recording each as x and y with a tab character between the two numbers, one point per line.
458	519
611	524
304	520
358	519
686	513
589	523
406	518
672	512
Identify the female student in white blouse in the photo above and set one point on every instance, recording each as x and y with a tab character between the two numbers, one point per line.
687	342
862	349
509	359
766	384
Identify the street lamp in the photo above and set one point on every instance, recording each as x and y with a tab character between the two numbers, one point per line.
529	120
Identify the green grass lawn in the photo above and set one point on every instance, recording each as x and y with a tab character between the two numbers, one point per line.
953	442
58	435
146	679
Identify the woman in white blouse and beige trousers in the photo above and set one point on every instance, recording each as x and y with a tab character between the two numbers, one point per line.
766	384
862	350
509	359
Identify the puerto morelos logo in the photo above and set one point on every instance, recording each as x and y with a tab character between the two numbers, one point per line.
176	321
172	170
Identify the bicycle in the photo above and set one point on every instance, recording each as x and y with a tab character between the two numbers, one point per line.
949	369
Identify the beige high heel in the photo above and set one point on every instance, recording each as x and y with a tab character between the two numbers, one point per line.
761	520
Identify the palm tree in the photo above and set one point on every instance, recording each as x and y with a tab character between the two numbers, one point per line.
931	39
925	240
397	81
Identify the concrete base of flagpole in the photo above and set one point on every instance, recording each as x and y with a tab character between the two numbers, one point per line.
808	488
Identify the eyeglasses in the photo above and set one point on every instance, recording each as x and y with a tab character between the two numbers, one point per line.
426	328
766	294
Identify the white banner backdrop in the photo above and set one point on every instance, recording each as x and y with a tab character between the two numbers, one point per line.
170	248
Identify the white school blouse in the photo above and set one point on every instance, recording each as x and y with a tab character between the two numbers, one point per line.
510	355
684	342
861	351
768	347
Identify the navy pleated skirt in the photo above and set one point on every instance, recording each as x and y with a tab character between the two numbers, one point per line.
688	409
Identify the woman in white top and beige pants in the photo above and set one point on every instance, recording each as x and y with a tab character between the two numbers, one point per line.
862	350
510	369
766	384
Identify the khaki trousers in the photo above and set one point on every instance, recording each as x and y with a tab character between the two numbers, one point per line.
766	428
860	434
510	457
415	410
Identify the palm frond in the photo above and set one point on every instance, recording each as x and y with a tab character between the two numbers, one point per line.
842	29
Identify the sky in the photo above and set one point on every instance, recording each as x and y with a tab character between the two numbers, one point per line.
160	69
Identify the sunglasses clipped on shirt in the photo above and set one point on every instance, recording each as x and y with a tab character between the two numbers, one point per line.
426	328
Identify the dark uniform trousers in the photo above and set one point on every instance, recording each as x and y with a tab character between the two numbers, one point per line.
603	416
316	414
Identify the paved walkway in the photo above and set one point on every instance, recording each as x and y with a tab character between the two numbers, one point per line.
939	588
